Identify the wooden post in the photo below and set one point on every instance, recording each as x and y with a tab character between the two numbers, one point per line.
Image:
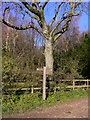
54	89
73	84
32	89
44	83
87	83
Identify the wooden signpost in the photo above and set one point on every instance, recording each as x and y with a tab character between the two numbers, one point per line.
44	81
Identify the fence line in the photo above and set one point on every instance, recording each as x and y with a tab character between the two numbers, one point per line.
73	86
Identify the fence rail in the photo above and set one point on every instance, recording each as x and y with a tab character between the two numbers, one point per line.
73	85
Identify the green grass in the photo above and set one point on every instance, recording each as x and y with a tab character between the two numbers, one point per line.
27	102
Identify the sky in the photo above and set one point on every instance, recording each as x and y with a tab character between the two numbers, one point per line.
50	12
83	22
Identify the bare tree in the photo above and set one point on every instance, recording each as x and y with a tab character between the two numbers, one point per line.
35	11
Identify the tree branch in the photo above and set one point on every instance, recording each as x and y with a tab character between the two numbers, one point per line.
76	14
45	3
33	17
19	27
39	5
56	14
64	18
36	12
69	17
77	4
58	24
23	9
58	34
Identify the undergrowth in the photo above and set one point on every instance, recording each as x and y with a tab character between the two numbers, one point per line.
14	104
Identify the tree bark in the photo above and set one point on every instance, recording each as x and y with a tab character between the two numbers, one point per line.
49	56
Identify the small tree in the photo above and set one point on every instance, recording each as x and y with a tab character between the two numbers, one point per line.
35	10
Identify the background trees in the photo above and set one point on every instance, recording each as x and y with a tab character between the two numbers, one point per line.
24	51
74	63
27	54
37	20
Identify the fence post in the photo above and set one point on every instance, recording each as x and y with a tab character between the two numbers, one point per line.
32	89
73	84
54	89
87	83
44	83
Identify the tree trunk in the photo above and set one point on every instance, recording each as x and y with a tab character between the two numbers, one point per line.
49	56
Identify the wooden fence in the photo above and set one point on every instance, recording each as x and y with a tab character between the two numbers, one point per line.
75	84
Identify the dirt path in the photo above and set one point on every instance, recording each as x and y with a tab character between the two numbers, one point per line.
73	109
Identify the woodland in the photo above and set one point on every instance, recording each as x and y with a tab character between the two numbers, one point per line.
26	46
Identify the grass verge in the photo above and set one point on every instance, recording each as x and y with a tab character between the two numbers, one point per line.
21	103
